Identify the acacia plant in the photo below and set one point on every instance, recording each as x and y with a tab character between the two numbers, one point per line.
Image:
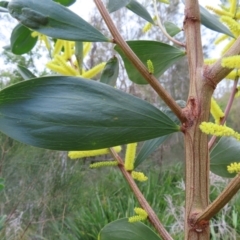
72	112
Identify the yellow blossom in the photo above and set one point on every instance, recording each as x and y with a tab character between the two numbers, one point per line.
221	39
231	62
42	38
233	74
219	12
130	156
103	164
218	130
234	168
94	71
139	176
91	153
148	25
86	48
233	25
233	6
216	111
141	215
150	66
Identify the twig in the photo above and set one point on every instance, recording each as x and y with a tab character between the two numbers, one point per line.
152	217
220	201
163	29
152	80
226	112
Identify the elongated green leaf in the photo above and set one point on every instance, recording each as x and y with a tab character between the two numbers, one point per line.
70	113
212	22
25	73
4	10
110	72
226	151
171	28
123	230
65	2
138	9
114	5
79	53
147	149
1	186
21	40
162	56
54	20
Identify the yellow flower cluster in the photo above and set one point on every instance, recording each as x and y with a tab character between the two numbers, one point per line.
231	62
139	176
218	130
130	156
91	153
234	168
103	164
216	111
141	215
148	25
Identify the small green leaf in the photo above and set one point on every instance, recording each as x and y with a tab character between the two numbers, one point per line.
171	28
79	53
71	113
65	2
114	5
162	56
212	22
25	73
21	40
226	151
110	72
3	6
54	20
148	148
123	230
138	9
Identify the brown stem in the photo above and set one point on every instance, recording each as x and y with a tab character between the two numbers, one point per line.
221	200
152	217
198	108
226	112
152	80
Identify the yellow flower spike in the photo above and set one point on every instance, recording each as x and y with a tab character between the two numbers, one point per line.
232	24
233	74
86	48
57	68
58	47
209	61
94	71
68	50
216	111
91	153
62	62
218	130
228	45
219	12
130	156
104	164
44	39
231	62
164	1
234	168
221	39
148	25
150	66
34	34
233	7
139	176
141	215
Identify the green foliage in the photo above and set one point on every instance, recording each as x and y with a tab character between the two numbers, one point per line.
171	28
162	56
21	40
54	20
25	73
114	5
123	230
58	116
110	72
212	22
226	151
65	2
